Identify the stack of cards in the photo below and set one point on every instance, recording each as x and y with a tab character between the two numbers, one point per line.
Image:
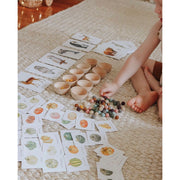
111	162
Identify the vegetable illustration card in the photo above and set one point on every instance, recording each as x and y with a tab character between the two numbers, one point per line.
53	150
28	119
51	104
67	124
51	138
38	111
68	52
105	126
85	123
53	164
86	38
66	136
32	82
71	115
79	45
45	70
54	115
76	163
79	138
30	131
95	137
34	100
23	106
57	60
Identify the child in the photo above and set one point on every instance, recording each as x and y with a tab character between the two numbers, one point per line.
145	73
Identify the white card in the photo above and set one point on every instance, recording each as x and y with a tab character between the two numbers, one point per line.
71	115
51	138
31	160
79	45
85	123
51	104
45	70
29	131
35	100
58	61
68	52
95	137
20	96
24	106
54	115
19	153
28	119
53	164
86	38
105	126
76	163
67	124
79	138
33	82
53	150
38	111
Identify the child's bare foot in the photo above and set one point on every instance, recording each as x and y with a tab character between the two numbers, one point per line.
143	101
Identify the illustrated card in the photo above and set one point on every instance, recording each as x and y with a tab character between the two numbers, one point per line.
67	123
34	100
30	131
57	60
45	70
51	104
50	138
76	163
28	119
53	164
79	45
32	82
31	160
71	115
71	149
85	123
38	111
66	136
105	126
53	150
23	106
68	52
54	115
79	138
86	38
95	137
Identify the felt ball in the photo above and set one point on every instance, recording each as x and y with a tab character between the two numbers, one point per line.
116	117
87	111
118	103
91	112
116	110
102	114
96	113
76	105
81	106
78	108
107	114
93	116
123	103
91	100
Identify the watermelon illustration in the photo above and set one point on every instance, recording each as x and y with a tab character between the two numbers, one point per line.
75	162
106	172
67	136
80	139
95	137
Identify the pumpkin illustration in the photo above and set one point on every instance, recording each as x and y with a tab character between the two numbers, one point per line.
30	119
22	106
38	110
80	139
30	131
32	160
72	116
95	137
51	106
65	121
75	162
83	123
73	149
46	139
106	172
31	145
51	163
107	151
67	136
55	115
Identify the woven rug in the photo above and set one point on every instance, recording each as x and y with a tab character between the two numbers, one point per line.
139	135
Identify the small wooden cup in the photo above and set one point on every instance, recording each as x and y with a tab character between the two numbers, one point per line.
70	79
61	87
77	72
101	72
93	77
85	84
78	93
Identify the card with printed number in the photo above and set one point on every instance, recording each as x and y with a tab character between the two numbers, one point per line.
68	52
33	82
95	137
54	115
76	163
85	123
79	45
57	60
105	126
86	38
45	70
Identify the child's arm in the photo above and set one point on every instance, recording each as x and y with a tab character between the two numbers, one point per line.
134	61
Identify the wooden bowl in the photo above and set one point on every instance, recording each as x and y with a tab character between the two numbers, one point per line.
101	72
84	67
85	84
61	87
70	79
106	66
78	93
93	77
77	72
91	62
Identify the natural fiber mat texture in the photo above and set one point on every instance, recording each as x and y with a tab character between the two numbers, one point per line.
139	135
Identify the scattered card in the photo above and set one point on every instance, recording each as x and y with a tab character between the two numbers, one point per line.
105	126
54	115
85	123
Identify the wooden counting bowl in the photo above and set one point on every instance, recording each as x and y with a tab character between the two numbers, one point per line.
70	79
93	77
77	72
91	62
101	72
84	67
78	93
85	84
61	87
106	66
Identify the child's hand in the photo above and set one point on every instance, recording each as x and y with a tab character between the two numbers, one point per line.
108	89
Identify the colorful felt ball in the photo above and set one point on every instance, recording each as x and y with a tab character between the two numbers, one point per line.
107	115
123	103
116	117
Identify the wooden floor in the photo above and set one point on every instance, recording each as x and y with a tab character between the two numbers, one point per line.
28	16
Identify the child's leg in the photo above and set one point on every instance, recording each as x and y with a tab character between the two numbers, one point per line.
145	97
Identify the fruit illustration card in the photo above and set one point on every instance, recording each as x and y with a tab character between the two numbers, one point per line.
57	60
95	137
28	119
86	38
54	164
45	70
76	163
105	126
85	123
68	52
50	138
35	100
38	111
71	149
51	104
80	138
54	115
31	160
79	45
